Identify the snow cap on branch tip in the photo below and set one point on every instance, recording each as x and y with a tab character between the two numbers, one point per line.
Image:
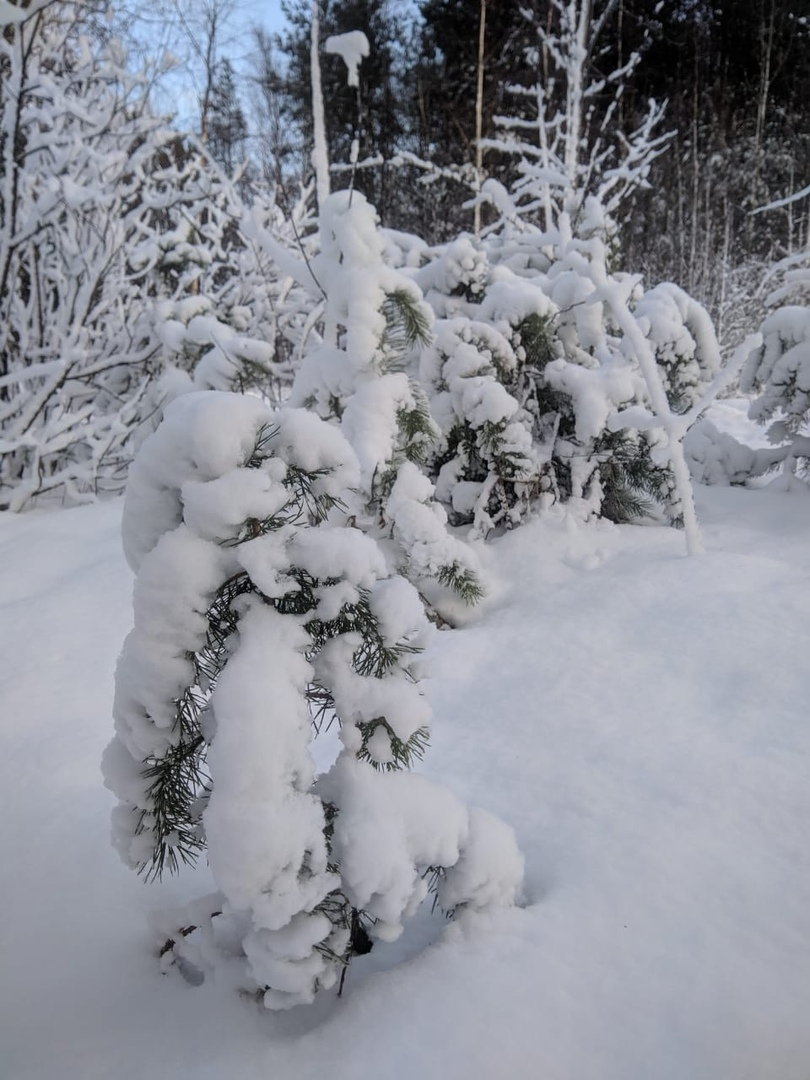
353	47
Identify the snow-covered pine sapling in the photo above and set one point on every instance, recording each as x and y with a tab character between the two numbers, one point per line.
615	295
454	278
573	375
256	620
483	466
777	370
688	360
523	375
374	318
657	416
683	337
487	469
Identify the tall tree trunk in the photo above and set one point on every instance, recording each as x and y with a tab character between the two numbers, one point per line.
479	113
320	153
766	60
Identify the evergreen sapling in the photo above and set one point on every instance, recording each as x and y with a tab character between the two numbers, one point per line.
260	618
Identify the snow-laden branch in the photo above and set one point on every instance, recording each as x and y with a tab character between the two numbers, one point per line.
577	151
779	203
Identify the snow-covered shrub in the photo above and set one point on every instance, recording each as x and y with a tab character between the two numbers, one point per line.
122	265
770	366
715	457
223	313
682	335
778	371
527	376
456	276
611	470
566	416
488	468
260	618
78	145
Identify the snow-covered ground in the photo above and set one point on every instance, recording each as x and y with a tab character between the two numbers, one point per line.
640	718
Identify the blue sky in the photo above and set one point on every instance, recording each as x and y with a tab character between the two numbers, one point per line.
160	27
268	12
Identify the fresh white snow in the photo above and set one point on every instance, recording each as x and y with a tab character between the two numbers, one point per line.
638	717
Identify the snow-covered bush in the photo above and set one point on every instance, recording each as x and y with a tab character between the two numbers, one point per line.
125	278
260	619
224	315
204	301
78	145
775	373
546	362
488	469
682	334
778	372
715	457
531	371
611	469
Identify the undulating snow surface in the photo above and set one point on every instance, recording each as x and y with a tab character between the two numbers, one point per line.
640	718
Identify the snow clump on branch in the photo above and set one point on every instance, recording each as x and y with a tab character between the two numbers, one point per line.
353	47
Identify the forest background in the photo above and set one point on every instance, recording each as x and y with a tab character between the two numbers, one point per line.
219	117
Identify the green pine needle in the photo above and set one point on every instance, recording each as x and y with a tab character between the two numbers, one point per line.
536	339
463	581
407	321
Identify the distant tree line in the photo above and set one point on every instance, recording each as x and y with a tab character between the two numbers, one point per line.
735	79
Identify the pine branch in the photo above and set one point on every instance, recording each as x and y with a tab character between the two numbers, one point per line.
403	753
417	427
407	321
462	581
534	334
178	780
